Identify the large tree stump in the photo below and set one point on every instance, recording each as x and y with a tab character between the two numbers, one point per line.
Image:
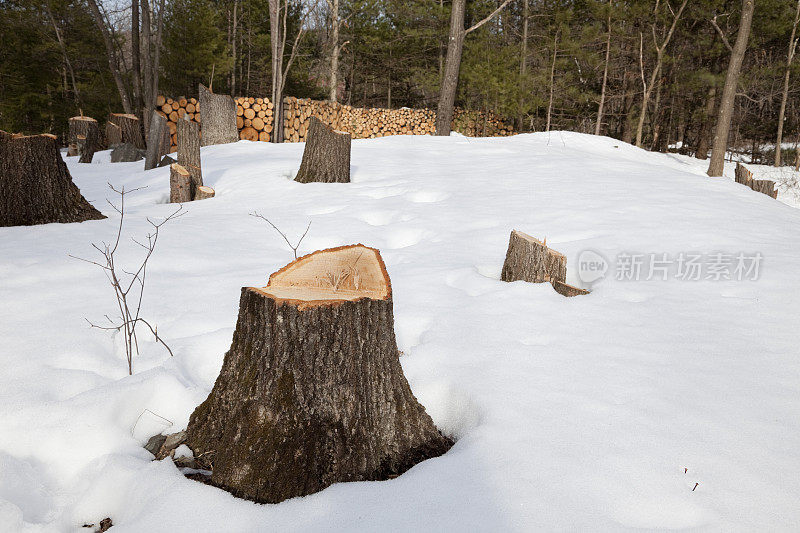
189	151
219	118
92	140
180	184
529	259
326	157
311	392
130	129
158	141
36	185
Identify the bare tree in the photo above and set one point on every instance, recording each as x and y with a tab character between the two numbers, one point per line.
785	95
552	81
599	124
294	247
648	88
722	131
128	285
278	15
113	63
452	63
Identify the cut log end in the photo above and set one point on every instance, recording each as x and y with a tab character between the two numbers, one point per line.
329	277
204	192
568	290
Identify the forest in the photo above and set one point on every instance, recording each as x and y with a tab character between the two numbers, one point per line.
651	73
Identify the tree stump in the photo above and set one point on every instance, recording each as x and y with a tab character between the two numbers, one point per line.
113	134
36	185
745	177
189	151
529	259
219	118
311	392
204	192
180	184
92	141
326	158
130	129
158	141
126	153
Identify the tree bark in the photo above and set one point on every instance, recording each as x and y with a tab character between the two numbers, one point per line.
334	66
276	40
158	141
113	134
130	129
326	157
189	151
311	392
204	192
452	64
523	61
92	140
703	136
725	114
529	259
136	58
37	187
180	184
785	94
219	118
552	82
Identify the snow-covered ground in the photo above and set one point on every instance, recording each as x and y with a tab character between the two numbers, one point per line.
650	403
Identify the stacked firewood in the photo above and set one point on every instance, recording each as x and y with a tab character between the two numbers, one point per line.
254	119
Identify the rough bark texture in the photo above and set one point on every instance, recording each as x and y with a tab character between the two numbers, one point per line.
130	129
219	118
311	393
158	141
530	260
36	185
452	65
326	158
745	177
180	184
189	151
113	134
87	128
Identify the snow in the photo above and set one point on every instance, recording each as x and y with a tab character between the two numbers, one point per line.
646	404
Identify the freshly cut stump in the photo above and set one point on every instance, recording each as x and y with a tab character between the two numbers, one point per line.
180	184
189	151
529	259
219	118
92	140
745	177
326	158
204	192
36	185
311	392
130	130
158	141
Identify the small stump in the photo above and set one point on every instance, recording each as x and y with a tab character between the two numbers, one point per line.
529	259
311	392
84	134
326	158
128	130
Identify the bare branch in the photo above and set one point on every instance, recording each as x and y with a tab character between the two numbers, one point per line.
721	34
282	234
487	19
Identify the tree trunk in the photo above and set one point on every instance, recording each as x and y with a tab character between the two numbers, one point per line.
112	56
219	118
599	124
529	259
523	62
189	151
276	39
452	64
552	82
334	67
785	94
136	65
725	114
326	158
37	187
311	392
130	129
92	140
703	136
158	141
180	184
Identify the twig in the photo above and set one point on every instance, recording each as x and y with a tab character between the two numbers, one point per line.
282	234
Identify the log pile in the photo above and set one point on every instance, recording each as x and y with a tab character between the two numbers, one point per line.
745	177
254	117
